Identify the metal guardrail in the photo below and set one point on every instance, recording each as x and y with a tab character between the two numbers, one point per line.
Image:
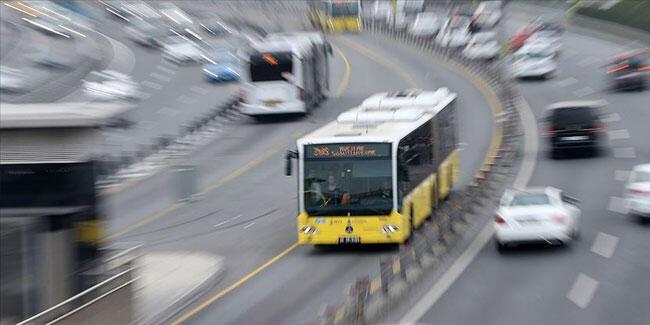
369	297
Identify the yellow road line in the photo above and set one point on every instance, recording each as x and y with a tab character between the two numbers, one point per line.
215	185
375	285
247	277
384	62
346	75
233	286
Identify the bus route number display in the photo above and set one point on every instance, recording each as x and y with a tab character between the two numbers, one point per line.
352	150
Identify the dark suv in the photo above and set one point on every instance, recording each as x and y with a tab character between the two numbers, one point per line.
573	126
629	71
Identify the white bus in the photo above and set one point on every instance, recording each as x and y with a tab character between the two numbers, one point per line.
379	170
283	78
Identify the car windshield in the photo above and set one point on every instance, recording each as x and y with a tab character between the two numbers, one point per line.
483	38
346	8
270	66
537	52
337	184
580	116
526	199
641	176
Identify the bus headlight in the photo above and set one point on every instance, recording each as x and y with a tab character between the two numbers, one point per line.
307	230
390	229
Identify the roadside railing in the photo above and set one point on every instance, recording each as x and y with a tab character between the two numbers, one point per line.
369	298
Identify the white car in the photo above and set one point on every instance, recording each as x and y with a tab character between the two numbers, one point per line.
488	13
548	39
400	22
534	60
454	37
12	80
543	215
426	24
483	46
637	191
110	85
181	50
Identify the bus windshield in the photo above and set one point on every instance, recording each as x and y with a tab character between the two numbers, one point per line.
340	184
270	66
344	8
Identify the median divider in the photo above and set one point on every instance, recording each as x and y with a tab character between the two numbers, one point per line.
371	297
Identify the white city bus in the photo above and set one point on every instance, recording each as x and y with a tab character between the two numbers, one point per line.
379	170
283	78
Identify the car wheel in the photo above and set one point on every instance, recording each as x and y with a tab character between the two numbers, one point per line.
575	233
501	247
556	153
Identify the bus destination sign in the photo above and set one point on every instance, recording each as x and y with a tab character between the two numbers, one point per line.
348	150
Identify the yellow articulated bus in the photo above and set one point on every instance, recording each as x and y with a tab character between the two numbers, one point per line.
335	15
379	170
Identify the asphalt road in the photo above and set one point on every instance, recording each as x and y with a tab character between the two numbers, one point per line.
248	213
603	277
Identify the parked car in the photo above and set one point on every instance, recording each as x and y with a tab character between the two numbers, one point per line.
536	215
109	85
482	46
637	192
426	24
549	39
574	125
221	64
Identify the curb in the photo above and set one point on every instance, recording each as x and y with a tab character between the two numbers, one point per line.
369	297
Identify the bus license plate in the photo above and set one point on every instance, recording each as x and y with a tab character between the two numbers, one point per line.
349	240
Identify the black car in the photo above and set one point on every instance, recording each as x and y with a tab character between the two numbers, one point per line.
629	71
574	126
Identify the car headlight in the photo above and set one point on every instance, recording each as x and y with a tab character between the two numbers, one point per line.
308	230
389	229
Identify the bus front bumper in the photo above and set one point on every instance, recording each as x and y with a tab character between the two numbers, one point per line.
296	107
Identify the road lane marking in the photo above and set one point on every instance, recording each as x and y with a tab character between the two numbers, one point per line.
624	152
160	77
618	205
167	111
144	221
233	286
346	75
186	100
199	90
622	175
585	91
152	85
604	245
449	277
249	225
618	134
566	82
588	61
165	69
382	61
221	223
583	290
609	118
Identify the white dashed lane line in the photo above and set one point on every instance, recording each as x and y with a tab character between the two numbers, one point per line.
583	290
617	204
609	118
618	134
604	245
152	85
588	61
167	111
585	91
624	153
249	225
199	90
566	82
622	175
166	70
160	77
186	100
221	224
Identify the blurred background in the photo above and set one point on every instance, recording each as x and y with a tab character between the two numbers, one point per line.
144	147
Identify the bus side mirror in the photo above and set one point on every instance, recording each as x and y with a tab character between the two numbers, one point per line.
287	167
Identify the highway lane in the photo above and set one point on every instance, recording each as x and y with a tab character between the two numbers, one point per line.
307	278
602	278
